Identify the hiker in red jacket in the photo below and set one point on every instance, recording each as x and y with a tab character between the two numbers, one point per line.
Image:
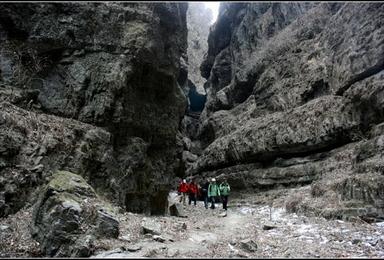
193	190
183	189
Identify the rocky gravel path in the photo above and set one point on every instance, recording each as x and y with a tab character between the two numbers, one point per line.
250	229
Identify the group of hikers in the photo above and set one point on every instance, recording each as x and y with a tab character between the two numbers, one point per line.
209	190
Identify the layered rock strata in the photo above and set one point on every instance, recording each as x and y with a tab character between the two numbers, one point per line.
294	92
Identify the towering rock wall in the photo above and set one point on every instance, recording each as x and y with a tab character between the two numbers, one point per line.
198	21
295	97
91	88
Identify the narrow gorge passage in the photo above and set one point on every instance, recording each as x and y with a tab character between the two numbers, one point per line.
106	106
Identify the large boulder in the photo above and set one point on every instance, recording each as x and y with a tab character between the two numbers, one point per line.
35	145
68	216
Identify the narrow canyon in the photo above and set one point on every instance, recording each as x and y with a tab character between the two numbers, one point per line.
106	106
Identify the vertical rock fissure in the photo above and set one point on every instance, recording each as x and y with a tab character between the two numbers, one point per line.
199	19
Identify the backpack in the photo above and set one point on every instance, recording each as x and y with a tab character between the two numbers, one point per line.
224	189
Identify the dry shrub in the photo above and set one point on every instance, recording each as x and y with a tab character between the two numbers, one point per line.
318	189
292	203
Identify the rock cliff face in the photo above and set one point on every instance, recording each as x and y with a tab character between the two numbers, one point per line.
198	20
91	88
294	96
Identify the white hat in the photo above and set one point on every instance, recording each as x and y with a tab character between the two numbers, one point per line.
184	181
213	179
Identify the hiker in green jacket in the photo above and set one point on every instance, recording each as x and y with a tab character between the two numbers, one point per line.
213	192
224	189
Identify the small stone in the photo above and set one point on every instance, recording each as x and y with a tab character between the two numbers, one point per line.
126	238
172	252
4	228
38	168
374	242
79	53
66	61
147	235
37	160
356	241
240	255
184	226
159	238
177	210
150	226
84	246
268	227
248	245
66	53
151	253
134	248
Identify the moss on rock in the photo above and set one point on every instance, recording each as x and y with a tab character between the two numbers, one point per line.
69	212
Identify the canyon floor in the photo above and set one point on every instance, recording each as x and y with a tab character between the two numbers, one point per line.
249	229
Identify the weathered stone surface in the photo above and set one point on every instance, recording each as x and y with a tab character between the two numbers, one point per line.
189	157
189	126
106	225
368	95
248	245
268	227
177	210
114	253
4	228
67	215
150	226
288	63
134	248
292	88
121	76
359	57
45	144
319	124
163	238
201	237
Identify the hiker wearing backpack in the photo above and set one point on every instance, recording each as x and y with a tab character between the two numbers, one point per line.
213	192
224	191
183	190
193	190
204	192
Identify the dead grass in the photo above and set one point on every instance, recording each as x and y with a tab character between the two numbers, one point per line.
17	242
27	63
